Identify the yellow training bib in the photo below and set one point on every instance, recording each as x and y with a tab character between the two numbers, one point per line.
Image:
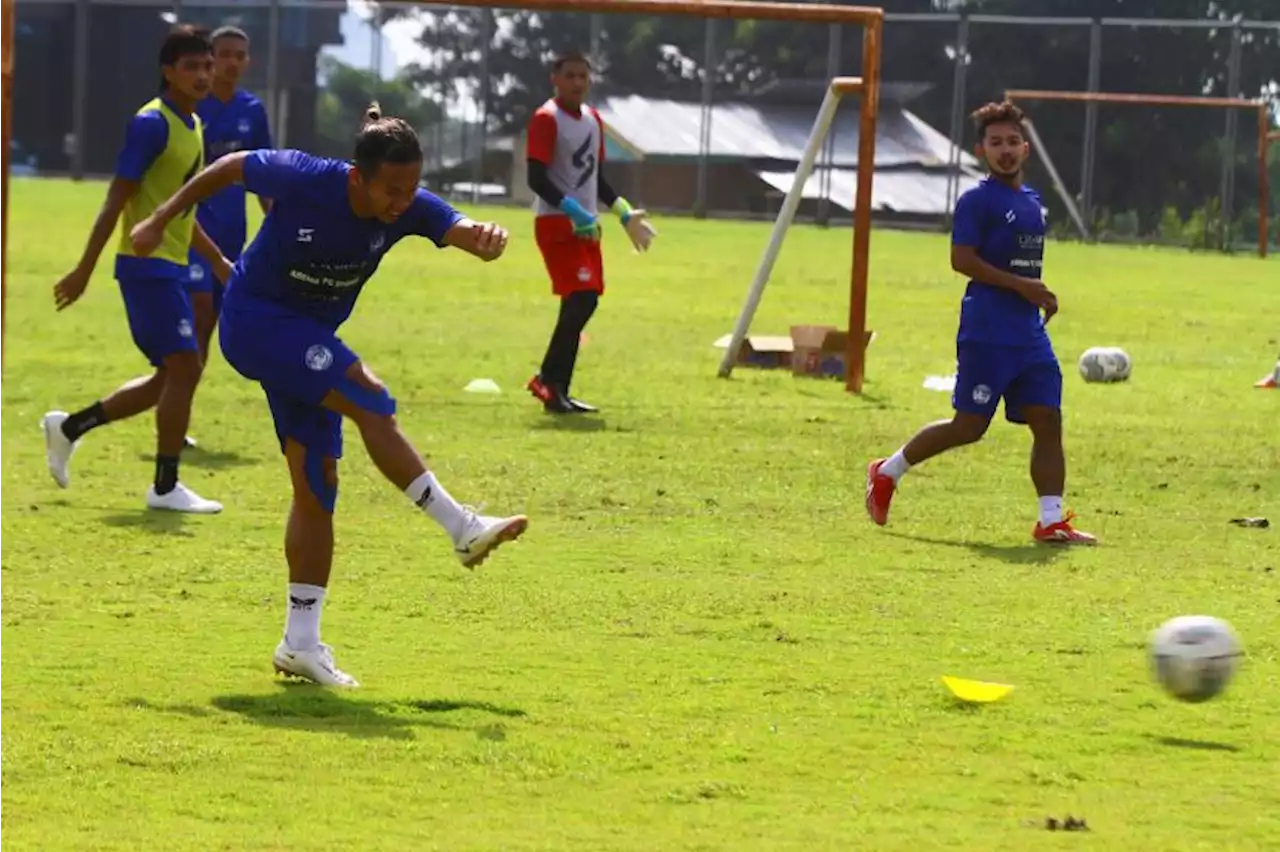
181	159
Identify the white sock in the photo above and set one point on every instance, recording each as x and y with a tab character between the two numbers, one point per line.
1050	510
430	496
896	467
302	627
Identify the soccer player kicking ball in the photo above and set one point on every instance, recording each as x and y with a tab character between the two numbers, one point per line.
565	155
1002	348
330	225
162	149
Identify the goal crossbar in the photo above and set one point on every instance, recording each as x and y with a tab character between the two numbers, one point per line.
1140	99
803	12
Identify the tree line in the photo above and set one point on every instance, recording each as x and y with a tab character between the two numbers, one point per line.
1150	161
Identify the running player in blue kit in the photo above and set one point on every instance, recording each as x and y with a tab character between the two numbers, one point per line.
1002	349
330	225
234	120
162	150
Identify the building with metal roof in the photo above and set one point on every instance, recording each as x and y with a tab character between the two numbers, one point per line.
653	146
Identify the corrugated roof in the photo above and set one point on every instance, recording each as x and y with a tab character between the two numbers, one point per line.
911	191
667	128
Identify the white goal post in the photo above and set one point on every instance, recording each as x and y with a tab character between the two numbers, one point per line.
838	87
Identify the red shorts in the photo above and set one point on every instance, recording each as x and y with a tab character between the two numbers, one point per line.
574	263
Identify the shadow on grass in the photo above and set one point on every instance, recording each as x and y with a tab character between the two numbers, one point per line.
152	521
174	709
302	706
1016	554
571	423
955	705
866	399
202	459
1197	745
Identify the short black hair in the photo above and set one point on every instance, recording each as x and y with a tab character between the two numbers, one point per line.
385	139
228	32
1005	112
563	59
183	40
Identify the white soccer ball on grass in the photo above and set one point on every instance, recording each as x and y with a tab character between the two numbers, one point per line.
1105	364
1194	656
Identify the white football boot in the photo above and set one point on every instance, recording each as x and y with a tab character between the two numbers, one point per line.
182	499
481	535
315	665
57	449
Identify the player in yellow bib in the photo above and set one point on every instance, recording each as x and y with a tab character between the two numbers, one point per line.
163	149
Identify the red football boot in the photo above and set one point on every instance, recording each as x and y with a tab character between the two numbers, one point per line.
880	490
1062	532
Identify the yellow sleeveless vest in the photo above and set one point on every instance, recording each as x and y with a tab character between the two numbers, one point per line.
181	159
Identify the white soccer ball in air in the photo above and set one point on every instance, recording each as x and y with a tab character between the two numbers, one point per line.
1194	656
1105	364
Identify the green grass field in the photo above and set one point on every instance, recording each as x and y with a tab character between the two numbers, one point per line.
702	642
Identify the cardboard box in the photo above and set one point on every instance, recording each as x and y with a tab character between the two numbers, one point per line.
820	351
810	350
765	352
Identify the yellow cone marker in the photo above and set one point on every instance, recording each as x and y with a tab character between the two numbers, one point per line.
976	691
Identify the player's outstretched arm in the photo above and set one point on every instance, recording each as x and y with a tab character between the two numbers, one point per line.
485	240
73	284
224	172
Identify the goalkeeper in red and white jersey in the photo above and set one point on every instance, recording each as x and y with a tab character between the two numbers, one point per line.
565	154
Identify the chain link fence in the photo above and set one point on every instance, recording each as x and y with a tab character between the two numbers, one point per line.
705	116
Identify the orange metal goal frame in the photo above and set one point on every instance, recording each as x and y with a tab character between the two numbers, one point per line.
1258	105
871	19
1268	136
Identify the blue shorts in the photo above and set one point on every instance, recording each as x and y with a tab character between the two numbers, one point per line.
1022	377
200	278
297	361
159	311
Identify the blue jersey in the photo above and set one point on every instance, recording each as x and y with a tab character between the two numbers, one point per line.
313	255
1007	227
236	125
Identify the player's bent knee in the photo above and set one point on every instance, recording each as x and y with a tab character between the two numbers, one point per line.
377	400
322	478
969	428
360	373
